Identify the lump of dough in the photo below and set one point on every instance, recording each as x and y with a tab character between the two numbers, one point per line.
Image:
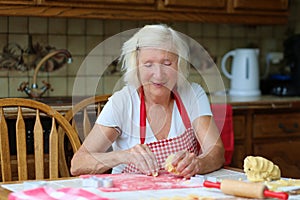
168	165
260	169
155	174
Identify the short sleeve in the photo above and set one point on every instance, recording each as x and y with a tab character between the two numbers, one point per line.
107	117
195	101
121	111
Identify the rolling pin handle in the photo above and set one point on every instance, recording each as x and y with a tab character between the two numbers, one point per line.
210	184
279	195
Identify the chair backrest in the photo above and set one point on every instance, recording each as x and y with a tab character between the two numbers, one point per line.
82	116
27	151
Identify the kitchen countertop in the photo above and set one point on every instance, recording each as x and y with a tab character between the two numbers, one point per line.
64	103
214	99
263	101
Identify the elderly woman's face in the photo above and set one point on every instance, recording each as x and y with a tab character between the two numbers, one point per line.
157	69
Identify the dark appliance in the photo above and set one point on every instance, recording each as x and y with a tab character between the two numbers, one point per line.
291	86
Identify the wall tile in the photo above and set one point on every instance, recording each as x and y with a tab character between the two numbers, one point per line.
42	39
4	87
59	85
252	31
297	28
95	65
110	82
238	31
76	26
94	27
3	73
59	72
14	84
112	27
100	86
38	25
93	86
3	24
70	83
92	42
57	25
76	67
77	86
224	31
194	29
20	39
279	32
112	46
241	42
264	31
58	41
128	25
18	24
3	39
76	45
224	45
210	30
180	27
211	45
17	73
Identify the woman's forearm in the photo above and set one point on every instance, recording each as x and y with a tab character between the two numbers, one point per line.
85	162
211	161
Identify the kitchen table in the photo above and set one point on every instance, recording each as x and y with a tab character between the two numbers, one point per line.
195	188
76	182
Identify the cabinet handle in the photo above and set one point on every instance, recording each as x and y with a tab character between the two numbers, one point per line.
289	130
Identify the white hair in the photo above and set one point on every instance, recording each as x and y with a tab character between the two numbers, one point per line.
157	36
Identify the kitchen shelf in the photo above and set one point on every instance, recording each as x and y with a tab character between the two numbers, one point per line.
255	12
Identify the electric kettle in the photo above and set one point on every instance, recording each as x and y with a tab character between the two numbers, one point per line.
244	74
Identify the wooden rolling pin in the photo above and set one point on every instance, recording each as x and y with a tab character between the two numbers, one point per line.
245	189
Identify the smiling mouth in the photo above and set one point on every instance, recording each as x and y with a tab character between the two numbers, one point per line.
158	84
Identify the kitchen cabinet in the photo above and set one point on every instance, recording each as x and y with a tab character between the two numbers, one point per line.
19	2
211	11
112	4
256	5
231	11
213	4
271	130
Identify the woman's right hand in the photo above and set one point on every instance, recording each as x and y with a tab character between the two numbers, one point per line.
143	158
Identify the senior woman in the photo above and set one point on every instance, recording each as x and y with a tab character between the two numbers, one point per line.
156	114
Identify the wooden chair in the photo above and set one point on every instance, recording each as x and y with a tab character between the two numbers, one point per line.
82	116
19	109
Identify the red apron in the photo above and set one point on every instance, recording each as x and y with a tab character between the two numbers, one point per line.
163	148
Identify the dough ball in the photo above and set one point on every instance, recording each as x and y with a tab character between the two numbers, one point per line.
168	165
260	169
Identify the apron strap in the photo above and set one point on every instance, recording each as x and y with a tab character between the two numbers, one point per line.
181	109
142	116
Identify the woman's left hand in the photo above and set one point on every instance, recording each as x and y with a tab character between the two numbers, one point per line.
187	164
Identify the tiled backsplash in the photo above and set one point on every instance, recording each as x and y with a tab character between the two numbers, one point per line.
80	36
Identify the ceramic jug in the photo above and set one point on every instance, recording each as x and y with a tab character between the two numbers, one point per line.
244	74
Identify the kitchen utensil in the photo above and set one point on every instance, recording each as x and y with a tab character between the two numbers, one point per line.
292	60
245	189
244	72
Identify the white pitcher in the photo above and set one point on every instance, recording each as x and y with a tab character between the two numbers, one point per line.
244	72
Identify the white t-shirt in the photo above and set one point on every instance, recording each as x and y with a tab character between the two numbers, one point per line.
122	112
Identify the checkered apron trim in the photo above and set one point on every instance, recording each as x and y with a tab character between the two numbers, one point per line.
163	148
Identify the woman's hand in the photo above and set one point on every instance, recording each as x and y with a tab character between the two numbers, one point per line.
143	158
187	164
